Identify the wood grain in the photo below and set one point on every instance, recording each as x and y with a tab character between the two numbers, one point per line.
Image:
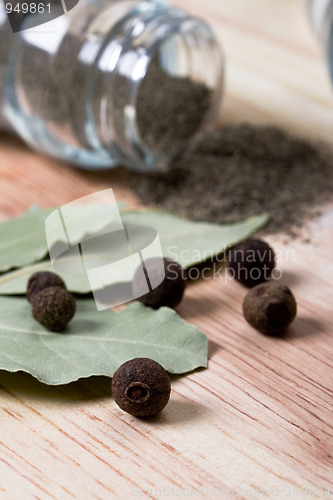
258	423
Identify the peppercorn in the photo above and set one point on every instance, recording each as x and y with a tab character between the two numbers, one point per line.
141	387
251	262
53	308
42	279
169	292
270	308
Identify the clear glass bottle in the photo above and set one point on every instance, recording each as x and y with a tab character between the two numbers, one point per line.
111	82
321	12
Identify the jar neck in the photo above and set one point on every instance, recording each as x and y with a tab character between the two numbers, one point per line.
319	13
149	96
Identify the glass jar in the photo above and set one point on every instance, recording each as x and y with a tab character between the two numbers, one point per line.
111	82
321	12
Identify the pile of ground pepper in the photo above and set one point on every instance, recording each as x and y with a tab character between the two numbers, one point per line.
243	170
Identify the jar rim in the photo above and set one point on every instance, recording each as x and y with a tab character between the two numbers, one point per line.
160	33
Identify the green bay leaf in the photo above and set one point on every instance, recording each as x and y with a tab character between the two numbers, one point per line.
96	343
190	243
23	240
15	282
187	242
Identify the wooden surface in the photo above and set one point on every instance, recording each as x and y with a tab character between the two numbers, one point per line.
258	422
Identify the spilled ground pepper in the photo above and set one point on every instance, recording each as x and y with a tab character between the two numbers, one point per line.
243	170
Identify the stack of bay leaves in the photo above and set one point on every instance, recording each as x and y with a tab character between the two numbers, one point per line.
98	342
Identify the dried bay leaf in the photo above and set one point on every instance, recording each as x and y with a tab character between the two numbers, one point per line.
23	241
187	242
96	343
15	282
190	243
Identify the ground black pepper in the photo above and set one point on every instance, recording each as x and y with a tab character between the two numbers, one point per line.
141	387
163	123
60	95
243	170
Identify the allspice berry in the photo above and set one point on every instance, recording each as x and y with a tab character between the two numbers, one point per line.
53	308
42	279
141	387
270	308
168	293
251	262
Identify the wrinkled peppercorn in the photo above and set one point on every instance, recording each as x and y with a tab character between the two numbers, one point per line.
270	308
168	293
141	387
42	279
53	308
251	262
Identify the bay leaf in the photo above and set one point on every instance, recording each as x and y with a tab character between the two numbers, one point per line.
190	243
15	282
96	343
23	240
187	242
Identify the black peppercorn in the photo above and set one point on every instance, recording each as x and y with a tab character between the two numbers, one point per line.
53	308
141	387
42	279
270	308
251	262
168	293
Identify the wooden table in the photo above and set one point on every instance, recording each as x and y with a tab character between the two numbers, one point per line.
258	422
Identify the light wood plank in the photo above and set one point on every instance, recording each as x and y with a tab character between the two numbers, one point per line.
260	418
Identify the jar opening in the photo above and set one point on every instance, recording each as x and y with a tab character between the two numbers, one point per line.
178	94
159	84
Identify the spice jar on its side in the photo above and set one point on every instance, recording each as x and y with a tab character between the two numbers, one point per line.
111	82
321	13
